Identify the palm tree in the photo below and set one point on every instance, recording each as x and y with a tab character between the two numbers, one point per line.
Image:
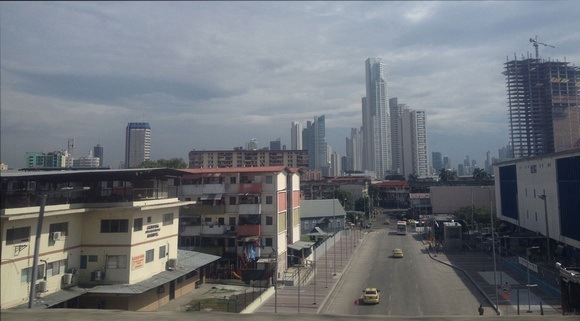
479	174
447	175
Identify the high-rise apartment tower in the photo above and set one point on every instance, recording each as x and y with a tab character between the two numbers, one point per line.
376	127
137	144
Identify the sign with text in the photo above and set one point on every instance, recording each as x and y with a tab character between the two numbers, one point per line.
137	261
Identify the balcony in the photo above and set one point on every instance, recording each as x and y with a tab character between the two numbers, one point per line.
215	229
249	230
207	209
250	188
203	189
244	209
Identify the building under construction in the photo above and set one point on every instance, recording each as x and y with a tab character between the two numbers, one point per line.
544	106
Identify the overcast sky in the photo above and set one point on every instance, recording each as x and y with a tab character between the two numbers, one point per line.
214	75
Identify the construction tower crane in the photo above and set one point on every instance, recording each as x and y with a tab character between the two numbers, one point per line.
536	43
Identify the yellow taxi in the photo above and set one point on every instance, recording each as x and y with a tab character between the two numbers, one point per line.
398	253
371	296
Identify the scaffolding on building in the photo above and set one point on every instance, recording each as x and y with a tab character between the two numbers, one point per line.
540	94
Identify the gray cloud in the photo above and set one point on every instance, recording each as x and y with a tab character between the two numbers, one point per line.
211	75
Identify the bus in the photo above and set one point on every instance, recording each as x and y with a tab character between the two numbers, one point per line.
401	227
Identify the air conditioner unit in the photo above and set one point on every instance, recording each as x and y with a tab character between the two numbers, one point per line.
55	236
67	278
96	275
171	264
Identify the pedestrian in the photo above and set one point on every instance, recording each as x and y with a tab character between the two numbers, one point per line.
480	310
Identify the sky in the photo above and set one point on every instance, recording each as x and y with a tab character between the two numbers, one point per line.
214	75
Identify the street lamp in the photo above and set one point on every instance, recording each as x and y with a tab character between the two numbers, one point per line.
493	249
543	197
529	285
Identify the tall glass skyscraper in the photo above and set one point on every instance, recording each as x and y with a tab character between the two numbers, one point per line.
376	121
137	144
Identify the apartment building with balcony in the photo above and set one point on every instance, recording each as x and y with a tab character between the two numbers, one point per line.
248	158
103	239
246	215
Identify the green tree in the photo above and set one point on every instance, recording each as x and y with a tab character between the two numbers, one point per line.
344	197
164	163
447	175
479	175
413	177
362	205
480	215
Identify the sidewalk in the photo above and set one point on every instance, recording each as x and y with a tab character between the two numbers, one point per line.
314	292
512	290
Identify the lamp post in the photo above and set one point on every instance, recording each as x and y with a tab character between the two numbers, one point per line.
529	285
36	250
333	236
314	267
493	249
35	260
543	197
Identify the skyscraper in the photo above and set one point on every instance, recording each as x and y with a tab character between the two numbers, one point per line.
543	101
98	152
354	150
276	144
377	136
414	143
314	140
396	112
296	136
137	144
437	161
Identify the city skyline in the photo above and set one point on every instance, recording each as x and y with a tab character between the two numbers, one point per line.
207	81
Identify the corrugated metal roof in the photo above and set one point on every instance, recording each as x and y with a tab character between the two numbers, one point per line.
321	208
187	261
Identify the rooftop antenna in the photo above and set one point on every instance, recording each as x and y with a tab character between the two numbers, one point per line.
536	43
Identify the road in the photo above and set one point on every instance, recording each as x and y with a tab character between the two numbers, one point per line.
415	285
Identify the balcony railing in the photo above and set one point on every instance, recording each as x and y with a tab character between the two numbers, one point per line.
203	189
207	209
249	230
251	188
244	209
18	199
215	229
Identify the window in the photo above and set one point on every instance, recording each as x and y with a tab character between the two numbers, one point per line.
269	199
167	219
149	256
117	262
162	251
137	224
17	235
59	227
232	221
148	219
207	219
180	279
269	220
306	225
93	258
26	275
232	180
114	226
56	268
232	200
269	241
268	179
221	221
